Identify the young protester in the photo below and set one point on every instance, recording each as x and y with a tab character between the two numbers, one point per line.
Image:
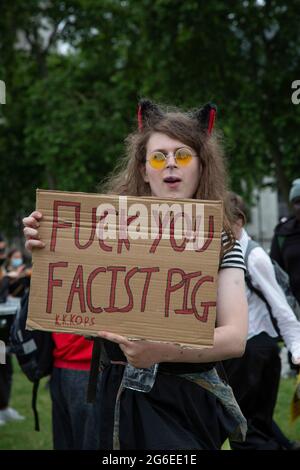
17	273
255	376
187	405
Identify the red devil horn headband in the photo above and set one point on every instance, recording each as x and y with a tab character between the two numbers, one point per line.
211	119
150	112
139	117
207	116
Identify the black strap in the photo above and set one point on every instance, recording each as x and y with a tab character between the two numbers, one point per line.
94	370
33	405
250	246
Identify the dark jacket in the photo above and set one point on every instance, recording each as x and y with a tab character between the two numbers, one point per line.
285	249
4	288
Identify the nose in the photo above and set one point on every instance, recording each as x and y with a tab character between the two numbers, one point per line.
171	161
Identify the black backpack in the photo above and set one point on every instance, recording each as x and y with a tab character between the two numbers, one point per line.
34	352
33	349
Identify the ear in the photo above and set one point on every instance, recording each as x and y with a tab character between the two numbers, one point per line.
148	113
206	116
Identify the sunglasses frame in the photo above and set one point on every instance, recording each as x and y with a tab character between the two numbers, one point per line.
166	155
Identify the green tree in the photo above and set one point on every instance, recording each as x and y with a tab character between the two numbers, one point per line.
74	70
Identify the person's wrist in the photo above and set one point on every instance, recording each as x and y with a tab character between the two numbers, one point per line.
170	352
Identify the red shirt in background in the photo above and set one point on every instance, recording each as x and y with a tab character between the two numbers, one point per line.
72	351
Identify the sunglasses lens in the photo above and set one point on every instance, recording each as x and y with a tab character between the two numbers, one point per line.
183	156
157	160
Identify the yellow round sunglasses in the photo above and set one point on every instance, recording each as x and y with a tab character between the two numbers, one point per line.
158	159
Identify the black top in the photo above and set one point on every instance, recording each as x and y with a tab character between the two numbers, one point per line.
285	249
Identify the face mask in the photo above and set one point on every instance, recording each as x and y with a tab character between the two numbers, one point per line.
16	262
2	261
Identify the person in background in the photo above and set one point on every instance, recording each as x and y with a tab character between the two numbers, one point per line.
3	283
255	376
6	370
285	247
2	250
17	274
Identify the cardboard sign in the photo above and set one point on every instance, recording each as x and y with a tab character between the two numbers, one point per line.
127	265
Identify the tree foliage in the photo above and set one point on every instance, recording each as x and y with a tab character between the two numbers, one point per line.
75	69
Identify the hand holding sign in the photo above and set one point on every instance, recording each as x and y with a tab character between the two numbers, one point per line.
31	224
138	353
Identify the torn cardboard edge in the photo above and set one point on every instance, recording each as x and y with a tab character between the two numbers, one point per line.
30	325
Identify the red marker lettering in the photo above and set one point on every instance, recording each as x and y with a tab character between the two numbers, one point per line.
53	282
77	287
56	224
89	290
114	269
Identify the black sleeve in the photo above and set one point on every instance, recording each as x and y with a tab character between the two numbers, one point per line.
275	252
4	289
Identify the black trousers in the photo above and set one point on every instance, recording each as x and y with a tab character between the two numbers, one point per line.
6	372
255	381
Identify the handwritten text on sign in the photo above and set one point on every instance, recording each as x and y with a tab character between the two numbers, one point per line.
140	267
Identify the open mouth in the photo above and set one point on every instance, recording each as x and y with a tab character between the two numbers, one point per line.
172	179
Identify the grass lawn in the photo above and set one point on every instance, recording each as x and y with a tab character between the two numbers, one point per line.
282	410
21	435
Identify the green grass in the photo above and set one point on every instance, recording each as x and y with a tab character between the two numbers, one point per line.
21	435
282	410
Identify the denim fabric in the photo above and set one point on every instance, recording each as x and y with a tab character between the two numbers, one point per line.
75	422
211	381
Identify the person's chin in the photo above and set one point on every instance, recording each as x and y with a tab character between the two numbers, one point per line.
172	193
178	195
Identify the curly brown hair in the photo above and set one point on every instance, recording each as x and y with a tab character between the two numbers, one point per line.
127	179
